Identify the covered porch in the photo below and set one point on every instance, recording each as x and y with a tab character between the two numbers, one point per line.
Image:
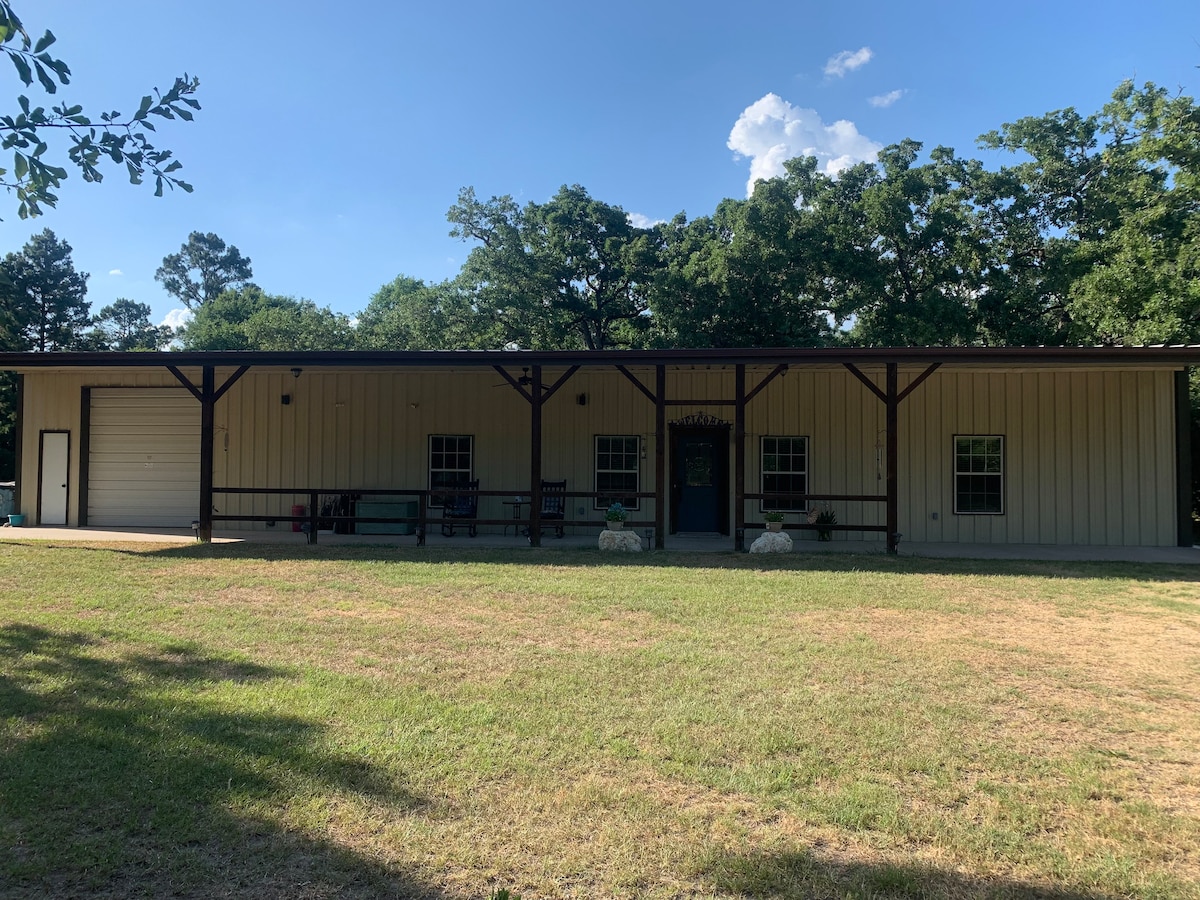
1094	441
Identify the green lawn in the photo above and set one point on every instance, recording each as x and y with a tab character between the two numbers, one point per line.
324	722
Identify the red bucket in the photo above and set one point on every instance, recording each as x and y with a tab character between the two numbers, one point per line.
297	511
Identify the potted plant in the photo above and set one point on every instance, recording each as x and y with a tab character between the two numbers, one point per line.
823	516
615	516
774	519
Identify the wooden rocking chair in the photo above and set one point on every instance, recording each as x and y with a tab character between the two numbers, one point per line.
461	506
554	506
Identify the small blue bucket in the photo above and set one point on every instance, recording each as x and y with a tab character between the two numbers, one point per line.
16	520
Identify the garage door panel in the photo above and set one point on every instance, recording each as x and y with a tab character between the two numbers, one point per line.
144	457
163	468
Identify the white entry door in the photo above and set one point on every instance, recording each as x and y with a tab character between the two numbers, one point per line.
52	504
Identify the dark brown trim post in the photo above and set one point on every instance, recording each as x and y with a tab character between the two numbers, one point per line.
208	391
660	457
535	458
739	457
893	462
1183	459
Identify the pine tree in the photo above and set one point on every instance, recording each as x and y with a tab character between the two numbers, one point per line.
45	298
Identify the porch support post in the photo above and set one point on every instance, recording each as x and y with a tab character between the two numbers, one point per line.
535	458
739	456
660	456
892	403
208	402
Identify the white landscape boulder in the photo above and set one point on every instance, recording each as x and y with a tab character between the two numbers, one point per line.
772	542
620	541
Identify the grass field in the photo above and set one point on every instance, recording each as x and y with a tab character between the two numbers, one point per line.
272	722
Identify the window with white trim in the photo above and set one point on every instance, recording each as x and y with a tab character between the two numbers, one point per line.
618	469
784	470
451	462
979	474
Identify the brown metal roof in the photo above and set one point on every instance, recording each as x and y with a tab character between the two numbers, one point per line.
1178	355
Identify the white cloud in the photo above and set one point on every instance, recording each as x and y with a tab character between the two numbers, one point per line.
848	61
115	272
887	99
177	318
637	220
771	131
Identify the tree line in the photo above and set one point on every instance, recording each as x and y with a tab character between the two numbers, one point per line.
1089	233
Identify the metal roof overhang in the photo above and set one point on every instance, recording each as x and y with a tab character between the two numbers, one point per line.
1178	355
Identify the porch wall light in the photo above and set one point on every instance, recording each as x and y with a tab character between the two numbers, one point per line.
296	372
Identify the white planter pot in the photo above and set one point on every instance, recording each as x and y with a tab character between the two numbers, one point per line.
615	526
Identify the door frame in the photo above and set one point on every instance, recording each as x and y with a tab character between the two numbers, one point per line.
42	473
719	432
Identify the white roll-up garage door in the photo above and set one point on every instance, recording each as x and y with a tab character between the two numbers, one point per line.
143	457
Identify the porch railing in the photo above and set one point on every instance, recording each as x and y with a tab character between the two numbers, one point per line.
786	500
318	498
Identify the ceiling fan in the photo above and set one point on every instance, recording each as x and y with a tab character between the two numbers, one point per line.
524	381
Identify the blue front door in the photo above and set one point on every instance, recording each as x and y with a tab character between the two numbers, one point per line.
700	479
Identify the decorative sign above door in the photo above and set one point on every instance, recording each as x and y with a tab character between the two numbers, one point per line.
699	420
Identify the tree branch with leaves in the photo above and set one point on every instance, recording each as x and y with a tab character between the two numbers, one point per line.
109	137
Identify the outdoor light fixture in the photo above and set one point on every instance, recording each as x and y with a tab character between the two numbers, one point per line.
296	372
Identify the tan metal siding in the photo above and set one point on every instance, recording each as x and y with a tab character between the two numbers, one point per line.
1089	455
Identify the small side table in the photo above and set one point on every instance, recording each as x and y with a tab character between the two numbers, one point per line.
516	513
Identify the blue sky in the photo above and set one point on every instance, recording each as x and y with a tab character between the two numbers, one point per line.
329	149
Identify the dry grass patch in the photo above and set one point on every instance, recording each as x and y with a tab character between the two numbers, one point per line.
367	723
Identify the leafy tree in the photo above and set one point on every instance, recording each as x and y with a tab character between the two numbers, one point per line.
42	307
407	314
1115	198
44	296
217	268
902	253
125	325
9	340
569	273
248	319
8	426
742	277
93	141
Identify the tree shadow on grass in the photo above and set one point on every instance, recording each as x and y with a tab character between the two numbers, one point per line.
118	778
813	876
808	562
